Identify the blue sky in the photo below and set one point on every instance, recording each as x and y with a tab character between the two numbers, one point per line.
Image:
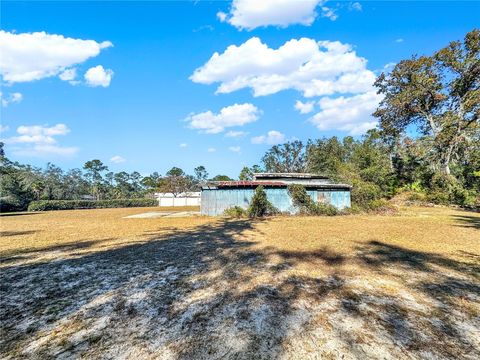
142	107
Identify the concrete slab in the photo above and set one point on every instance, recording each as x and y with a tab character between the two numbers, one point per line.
158	214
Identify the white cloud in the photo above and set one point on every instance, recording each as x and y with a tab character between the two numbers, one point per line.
211	150
356	6
229	116
311	67
4	128
117	159
399	40
34	56
235	149
350	114
13	98
329	13
45	151
235	134
39	141
304	107
273	137
98	76
38	134
69	75
221	16
183	145
250	14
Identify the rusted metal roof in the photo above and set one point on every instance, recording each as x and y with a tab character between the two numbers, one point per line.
226	184
246	183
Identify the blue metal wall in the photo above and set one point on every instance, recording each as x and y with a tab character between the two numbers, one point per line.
216	201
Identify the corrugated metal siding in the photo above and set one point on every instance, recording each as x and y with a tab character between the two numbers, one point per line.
216	201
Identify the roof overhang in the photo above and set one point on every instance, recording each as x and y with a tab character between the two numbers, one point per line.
268	184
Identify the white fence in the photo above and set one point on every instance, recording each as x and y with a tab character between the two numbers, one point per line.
184	199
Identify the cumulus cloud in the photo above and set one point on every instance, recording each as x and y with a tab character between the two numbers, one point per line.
117	159
356	6
4	128
12	98
329	13
69	75
273	137
350	114
211	150
315	68
229	116
183	145
45	151
38	134
399	40
34	56
250	14
235	134
235	149
98	76
304	107
40	141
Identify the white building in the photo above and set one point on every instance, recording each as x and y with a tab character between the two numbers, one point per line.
183	199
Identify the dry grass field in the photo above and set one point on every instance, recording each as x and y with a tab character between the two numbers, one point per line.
92	284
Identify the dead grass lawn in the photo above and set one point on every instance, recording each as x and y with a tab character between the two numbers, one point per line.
90	283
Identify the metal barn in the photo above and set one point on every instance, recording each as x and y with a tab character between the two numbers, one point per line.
218	196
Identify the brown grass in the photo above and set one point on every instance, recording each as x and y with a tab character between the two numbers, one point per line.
199	287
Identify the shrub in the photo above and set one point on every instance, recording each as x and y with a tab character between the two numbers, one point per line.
235	212
305	205
364	192
9	204
352	210
324	209
416	196
382	206
46	205
445	189
259	205
300	199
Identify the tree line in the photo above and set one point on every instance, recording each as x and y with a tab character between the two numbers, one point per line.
20	184
427	145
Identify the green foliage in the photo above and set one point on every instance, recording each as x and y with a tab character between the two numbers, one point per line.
221	178
9	204
247	173
380	205
445	189
300	199
288	157
201	173
259	205
325	209
235	212
306	206
21	184
439	94
46	205
364	192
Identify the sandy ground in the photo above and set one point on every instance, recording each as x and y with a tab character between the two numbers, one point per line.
157	214
92	284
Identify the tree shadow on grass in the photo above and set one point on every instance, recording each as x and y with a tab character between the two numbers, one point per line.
206	292
17	233
468	222
450	286
19	214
